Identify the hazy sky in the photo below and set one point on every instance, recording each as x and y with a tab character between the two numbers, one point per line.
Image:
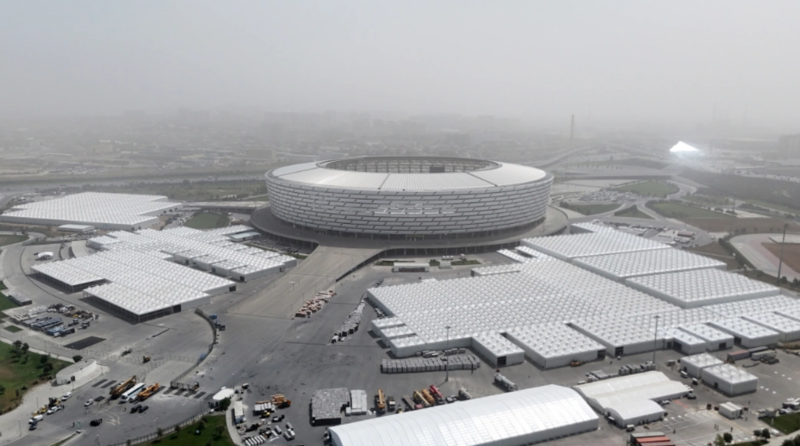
621	60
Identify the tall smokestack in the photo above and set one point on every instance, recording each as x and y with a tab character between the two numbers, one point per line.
572	133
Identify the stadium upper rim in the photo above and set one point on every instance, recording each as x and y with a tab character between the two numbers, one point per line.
413	173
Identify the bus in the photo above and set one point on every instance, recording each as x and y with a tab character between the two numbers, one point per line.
131	394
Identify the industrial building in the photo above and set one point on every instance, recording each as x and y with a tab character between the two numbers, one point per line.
692	289
694	365
523	417
730	380
148	274
652	263
747	334
391	197
632	399
100	210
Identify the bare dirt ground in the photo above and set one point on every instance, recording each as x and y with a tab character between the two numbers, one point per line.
791	253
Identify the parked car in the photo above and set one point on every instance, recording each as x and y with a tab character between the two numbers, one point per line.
277	418
52	410
32	427
36	419
66	396
88	403
665	402
96	422
691	396
135	408
277	430
143	409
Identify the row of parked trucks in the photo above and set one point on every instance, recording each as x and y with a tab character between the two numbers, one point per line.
131	390
432	396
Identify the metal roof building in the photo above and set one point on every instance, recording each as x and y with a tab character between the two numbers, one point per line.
694	365
523	417
568	247
101	210
747	333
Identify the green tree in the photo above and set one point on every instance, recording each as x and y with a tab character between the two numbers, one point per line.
25	347
719	441
159	432
177	428
727	437
77	358
218	431
43	359
765	433
225	404
17	344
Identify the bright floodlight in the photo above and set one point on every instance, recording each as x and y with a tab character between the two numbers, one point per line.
682	147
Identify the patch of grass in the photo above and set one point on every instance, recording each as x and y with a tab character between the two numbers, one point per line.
592	209
11	239
632	212
787	423
296	255
678	210
20	373
384	263
751	443
2	286
208	435
13	329
707	200
6	303
465	262
207	220
434	262
777	207
649	189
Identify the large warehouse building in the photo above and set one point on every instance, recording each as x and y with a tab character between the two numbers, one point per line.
147	274
525	417
101	210
427	197
568	299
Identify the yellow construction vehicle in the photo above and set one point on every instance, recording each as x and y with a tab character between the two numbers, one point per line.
280	401
122	387
380	401
148	392
428	397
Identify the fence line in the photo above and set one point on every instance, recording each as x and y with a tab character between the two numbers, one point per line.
165	431
176	383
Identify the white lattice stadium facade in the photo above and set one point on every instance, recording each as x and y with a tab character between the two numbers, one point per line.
399	196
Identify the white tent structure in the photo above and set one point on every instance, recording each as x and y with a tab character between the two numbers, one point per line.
646	263
631	398
746	333
730	380
694	365
523	417
101	210
703	287
568	247
787	328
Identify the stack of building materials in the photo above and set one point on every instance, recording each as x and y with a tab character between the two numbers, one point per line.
437	364
350	324
315	304
730	380
327	405
650	439
358	402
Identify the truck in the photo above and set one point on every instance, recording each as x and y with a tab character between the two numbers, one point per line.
380	401
428	397
463	394
280	401
392	405
149	391
504	382
418	398
121	388
437	395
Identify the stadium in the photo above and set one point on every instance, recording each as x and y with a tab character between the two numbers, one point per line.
402	198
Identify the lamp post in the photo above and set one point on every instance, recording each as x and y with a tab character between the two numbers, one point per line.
780	260
447	360
655	340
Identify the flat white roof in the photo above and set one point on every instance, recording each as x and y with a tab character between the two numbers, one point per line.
743	329
729	373
749	307
702	360
93	208
643	263
706	286
774	321
630	389
573	246
493	419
